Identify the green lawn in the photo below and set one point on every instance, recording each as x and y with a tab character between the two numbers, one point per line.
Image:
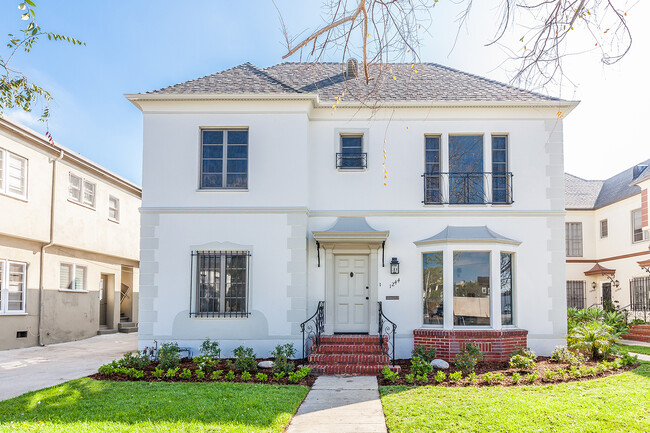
615	403
637	349
96	406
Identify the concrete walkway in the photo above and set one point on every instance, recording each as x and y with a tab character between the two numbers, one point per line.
635	343
32	368
341	404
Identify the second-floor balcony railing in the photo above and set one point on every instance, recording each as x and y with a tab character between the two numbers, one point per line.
467	188
351	161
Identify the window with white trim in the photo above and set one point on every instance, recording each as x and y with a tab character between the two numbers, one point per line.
72	277
221	287
224	159
573	233
604	229
113	208
638	234
13	175
12	287
81	191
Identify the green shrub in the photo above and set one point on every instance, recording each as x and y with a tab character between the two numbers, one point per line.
575	372
420	366
565	355
169	356
488	377
106	370
205	363
230	376
629	359
516	377
423	353
468	357
471	378
245	376
455	376
171	373
618	321
245	359
138	361
410	378
389	374
297	375
422	378
158	373
532	377
521	362
527	353
440	376
282	358
200	374
216	375
279	375
185	374
562	373
137	374
210	349
262	377
595	338
549	374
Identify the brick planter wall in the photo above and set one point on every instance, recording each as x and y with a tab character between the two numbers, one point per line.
495	345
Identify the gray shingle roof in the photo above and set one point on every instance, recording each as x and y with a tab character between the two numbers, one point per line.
594	194
467	233
432	82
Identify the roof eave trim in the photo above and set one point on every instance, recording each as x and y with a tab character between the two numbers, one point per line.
350	237
467	241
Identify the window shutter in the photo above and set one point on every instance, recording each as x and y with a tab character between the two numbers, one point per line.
74	190
16	175
65	279
16	286
80	278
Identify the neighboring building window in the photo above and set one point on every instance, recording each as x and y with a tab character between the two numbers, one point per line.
466	184
72	277
351	155
573	239
575	294
506	289
432	179
114	208
224	159
433	288
500	175
13	174
604	232
12	287
471	288
638	234
222	284
81	190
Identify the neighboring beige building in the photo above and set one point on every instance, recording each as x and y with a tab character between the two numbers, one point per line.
608	239
69	243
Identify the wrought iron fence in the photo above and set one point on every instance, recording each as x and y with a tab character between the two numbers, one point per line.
575	294
387	330
640	298
312	329
351	161
468	188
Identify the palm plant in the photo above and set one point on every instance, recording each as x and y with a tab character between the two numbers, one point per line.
595	338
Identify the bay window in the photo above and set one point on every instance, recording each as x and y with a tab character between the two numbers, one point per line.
471	288
433	288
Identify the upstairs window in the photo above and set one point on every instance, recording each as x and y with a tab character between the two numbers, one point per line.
113	208
81	191
573	232
12	287
432	179
351	155
604	230
13	175
466	184
638	234
224	159
501	190
72	277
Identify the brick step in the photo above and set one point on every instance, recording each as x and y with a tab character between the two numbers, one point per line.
636	334
330	359
348	348
643	327
350	339
356	369
644	339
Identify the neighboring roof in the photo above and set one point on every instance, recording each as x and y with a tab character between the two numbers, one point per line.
645	175
467	234
35	138
432	82
579	193
600	270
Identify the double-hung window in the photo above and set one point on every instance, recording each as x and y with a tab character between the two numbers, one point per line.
351	155
113	208
12	287
221	285
81	191
224	159
573	233
500	176
13	175
638	234
604	229
72	277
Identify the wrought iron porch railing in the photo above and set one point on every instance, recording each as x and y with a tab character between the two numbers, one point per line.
387	330
351	161
468	188
312	329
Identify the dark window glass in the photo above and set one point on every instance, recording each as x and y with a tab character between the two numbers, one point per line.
351	152
466	169
506	289
237	137
432	288
213	151
432	179
212	137
500	179
222	283
471	288
224	168
575	294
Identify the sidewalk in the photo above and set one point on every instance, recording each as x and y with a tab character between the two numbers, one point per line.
341	404
32	368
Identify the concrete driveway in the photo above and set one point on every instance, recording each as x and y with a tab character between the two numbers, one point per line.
32	368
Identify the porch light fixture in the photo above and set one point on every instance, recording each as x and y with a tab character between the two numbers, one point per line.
394	266
593	285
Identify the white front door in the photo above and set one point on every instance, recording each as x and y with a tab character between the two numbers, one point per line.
351	293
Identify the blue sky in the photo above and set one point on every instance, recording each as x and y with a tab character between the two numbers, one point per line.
139	46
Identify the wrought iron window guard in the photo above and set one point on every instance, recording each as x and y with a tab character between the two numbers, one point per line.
312	329
351	161
387	329
468	188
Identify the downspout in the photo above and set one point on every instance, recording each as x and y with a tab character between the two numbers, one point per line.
44	246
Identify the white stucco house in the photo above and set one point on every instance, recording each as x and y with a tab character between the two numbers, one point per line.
608	241
267	196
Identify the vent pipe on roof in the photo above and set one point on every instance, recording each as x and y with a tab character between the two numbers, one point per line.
637	170
352	68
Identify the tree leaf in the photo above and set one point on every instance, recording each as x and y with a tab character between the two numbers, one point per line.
22	6
31	3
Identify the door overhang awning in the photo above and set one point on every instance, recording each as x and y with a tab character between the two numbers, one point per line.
351	230
600	270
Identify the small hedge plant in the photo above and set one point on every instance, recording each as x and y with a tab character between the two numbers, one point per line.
425	354
281	358
468	357
245	358
169	356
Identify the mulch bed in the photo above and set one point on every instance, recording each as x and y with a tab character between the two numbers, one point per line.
221	365
543	363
